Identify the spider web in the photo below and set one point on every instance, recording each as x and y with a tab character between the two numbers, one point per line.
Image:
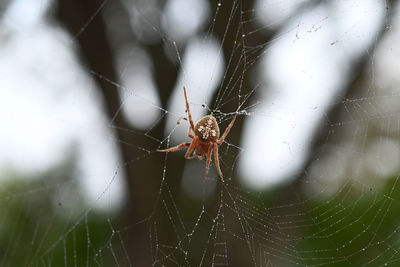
328	196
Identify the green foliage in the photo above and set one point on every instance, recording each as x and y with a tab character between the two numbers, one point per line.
39	226
357	226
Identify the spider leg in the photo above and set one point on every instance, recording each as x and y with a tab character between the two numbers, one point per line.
188	110
194	155
216	159
208	159
189	134
192	147
175	148
221	140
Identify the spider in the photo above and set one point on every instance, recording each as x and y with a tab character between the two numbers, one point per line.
204	140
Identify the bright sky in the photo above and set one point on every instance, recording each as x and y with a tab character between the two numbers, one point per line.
45	108
304	70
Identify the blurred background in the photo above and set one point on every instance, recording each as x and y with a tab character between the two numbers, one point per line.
90	89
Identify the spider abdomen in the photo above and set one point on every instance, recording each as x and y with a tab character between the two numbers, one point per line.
207	129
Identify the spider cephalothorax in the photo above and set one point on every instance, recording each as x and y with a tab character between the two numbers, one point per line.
205	138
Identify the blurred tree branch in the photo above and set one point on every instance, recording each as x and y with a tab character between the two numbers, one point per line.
360	69
97	53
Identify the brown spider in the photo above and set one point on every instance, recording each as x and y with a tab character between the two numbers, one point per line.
205	139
